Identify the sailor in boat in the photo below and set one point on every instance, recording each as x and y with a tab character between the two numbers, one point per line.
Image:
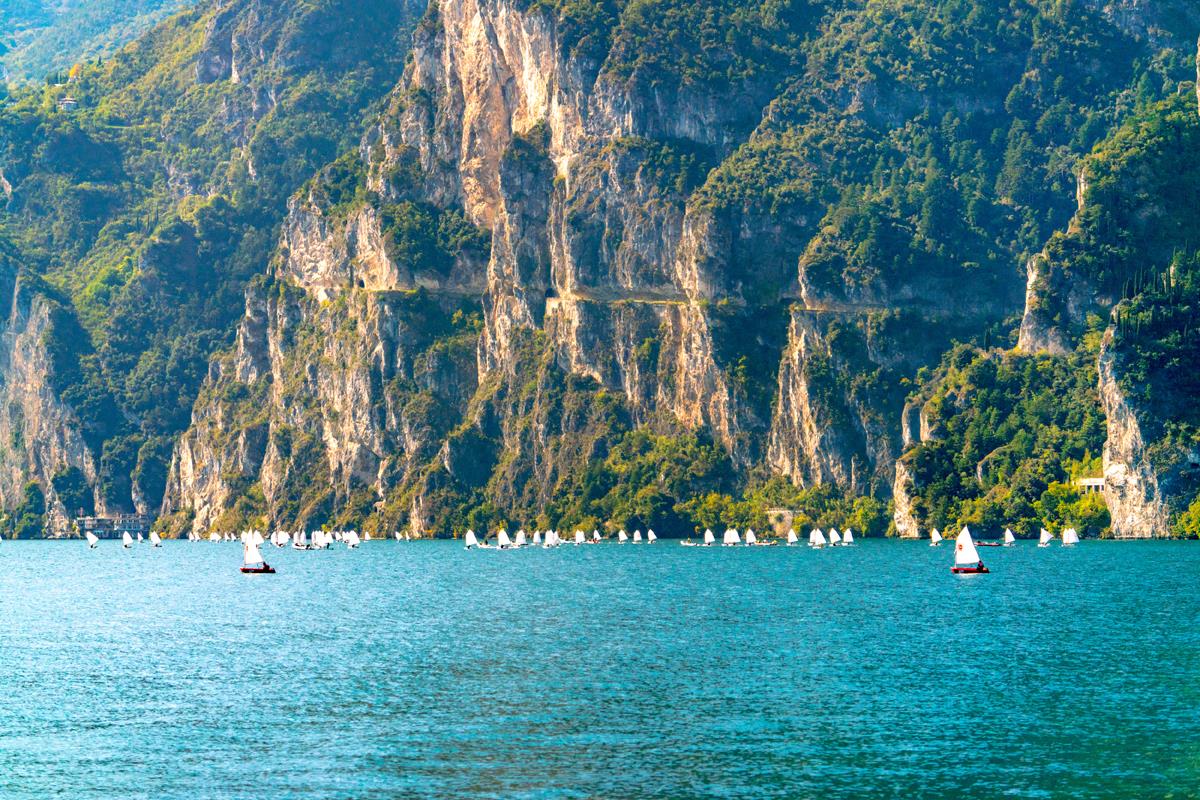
966	557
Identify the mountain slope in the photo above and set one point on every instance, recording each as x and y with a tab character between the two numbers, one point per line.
40	38
753	289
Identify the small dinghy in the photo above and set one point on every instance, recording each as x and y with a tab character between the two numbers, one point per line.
1045	539
252	560
1070	537
835	538
710	538
300	542
751	539
92	540
502	540
155	539
140	539
622	536
579	538
351	540
126	539
732	538
521	539
595	536
637	537
792	538
847	537
935	537
816	538
1009	538
966	557
650	537
470	540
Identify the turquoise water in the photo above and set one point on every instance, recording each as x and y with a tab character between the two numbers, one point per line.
420	670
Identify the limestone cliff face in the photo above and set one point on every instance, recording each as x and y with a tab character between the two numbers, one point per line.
39	434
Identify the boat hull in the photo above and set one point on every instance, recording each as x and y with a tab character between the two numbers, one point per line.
980	570
988	544
265	569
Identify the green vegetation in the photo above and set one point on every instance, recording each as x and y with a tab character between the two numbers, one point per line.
1009	433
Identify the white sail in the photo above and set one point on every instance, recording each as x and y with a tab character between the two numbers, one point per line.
1044	539
521	540
1008	537
140	539
126	539
623	537
470	540
709	538
213	536
637	537
537	537
155	539
792	538
732	537
650	537
251	557
92	539
1070	537
965	554
750	537
595	535
352	539
816	538
935	537
578	537
503	540
835	538
366	537
847	537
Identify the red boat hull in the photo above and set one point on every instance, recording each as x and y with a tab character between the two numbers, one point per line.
970	570
265	569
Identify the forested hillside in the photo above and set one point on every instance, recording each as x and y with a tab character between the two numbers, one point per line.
40	38
605	263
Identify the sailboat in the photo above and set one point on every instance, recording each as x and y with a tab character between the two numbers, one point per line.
935	537
595	536
155	539
92	540
732	538
1009	539
816	538
502	540
470	540
126	539
351	539
252	560
140	539
709	538
579	537
752	539
521	540
366	536
792	538
1045	538
637	537
847	537
622	536
1070	537
966	557
650	537
835	538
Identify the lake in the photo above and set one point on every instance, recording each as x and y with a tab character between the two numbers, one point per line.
418	669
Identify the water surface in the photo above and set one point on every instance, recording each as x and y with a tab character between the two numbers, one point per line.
420	670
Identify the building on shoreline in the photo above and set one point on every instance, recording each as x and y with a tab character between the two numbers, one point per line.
115	527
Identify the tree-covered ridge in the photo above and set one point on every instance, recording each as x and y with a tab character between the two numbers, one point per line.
1009	432
152	203
39	38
